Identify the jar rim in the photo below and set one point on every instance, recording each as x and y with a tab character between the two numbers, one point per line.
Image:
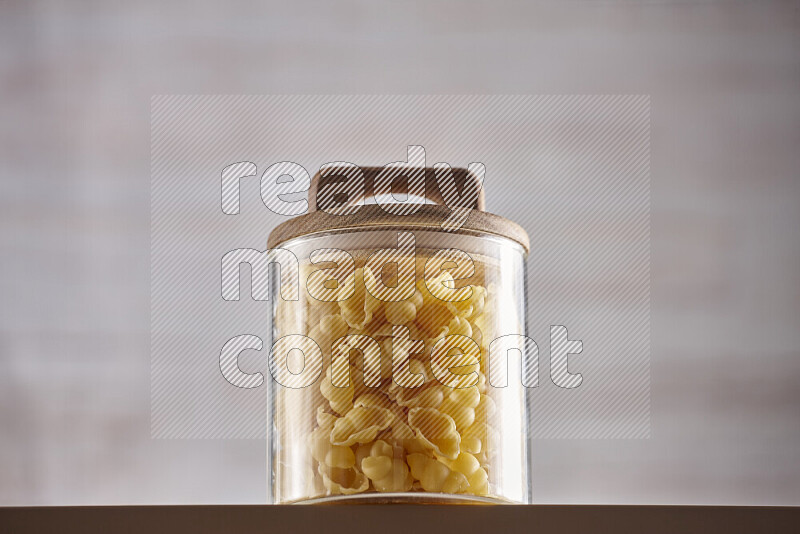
373	217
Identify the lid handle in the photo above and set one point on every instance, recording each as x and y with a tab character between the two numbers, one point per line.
316	191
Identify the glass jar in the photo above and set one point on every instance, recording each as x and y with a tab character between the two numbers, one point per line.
388	398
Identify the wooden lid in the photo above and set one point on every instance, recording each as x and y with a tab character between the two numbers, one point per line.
339	209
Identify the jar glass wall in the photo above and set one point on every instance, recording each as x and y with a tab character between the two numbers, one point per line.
402	409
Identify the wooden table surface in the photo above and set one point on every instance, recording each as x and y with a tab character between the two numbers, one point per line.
388	519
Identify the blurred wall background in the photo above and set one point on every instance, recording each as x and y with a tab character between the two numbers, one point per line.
75	85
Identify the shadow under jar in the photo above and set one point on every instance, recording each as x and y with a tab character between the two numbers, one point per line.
388	397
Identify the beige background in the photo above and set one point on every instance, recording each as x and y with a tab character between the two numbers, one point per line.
76	80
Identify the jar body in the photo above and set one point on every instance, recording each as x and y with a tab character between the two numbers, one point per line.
392	401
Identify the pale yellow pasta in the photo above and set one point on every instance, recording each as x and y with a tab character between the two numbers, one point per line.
436	477
318	309
323	451
459	326
400	313
342	457
360	425
486	318
369	361
435	429
488	450
431	397
358	309
388	436
471	441
470	467
460	406
442	287
470	307
339	398
386	472
362	450
401	433
473	436
320	443
333	326
432	321
417	299
455	361
376	399
343	481
400	390
325	420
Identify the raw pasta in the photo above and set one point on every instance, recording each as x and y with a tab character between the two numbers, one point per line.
390	437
